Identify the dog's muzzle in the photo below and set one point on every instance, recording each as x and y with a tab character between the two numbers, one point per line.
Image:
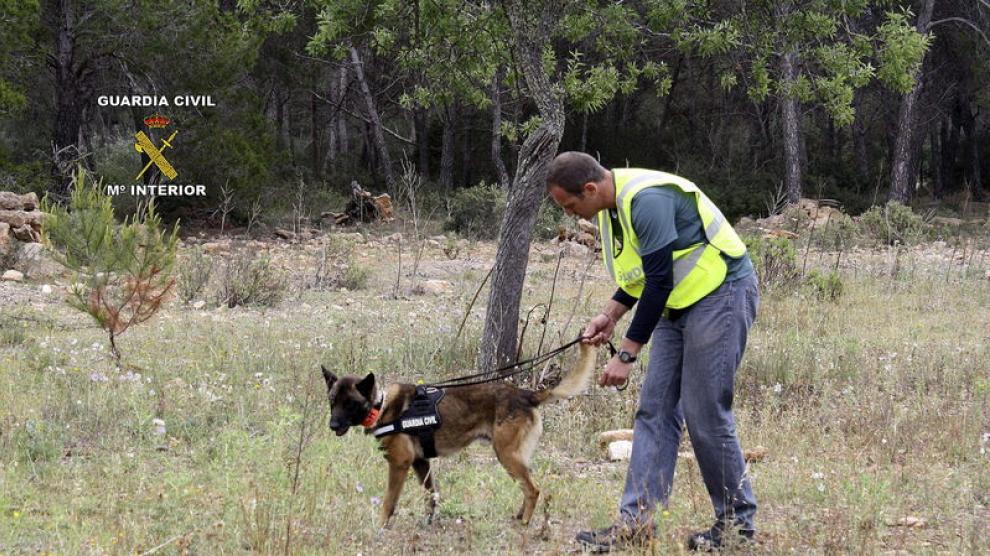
337	427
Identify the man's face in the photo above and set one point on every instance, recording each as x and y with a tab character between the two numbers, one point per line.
585	206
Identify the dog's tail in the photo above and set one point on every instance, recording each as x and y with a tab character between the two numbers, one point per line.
575	381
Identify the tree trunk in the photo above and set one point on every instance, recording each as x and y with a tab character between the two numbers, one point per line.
500	170
790	117
314	134
531	26
584	132
901	165
384	159
343	146
422	123
336	102
935	140
68	100
465	149
447	149
859	141
971	150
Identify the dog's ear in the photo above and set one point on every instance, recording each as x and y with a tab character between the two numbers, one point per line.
329	377
366	386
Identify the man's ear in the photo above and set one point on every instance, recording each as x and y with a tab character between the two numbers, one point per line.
366	386
329	377
589	188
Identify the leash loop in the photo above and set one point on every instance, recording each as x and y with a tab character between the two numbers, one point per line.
519	366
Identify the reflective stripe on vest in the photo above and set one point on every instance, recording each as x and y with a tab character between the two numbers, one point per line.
698	270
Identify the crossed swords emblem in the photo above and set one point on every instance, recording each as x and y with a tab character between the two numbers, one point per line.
144	145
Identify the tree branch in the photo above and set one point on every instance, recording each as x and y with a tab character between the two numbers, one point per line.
340	106
965	22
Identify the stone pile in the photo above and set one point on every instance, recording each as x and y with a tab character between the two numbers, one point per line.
20	219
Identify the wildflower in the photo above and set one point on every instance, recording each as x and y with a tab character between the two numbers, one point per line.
159	426
97	376
376	501
359	487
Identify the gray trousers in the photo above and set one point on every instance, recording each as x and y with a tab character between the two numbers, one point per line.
690	377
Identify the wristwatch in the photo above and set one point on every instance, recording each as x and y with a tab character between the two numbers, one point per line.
626	357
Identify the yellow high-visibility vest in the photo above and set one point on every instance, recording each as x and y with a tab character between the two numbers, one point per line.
698	269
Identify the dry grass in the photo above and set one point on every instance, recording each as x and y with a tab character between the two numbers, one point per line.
872	409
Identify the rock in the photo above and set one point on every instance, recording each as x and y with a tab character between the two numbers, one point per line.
12	276
620	450
13	201
26	234
284	234
433	243
587	227
350	237
575	249
20	218
586	239
946	221
199	304
433	287
47	289
911	522
608	437
755	454
394	238
440	238
216	246
5	238
780	233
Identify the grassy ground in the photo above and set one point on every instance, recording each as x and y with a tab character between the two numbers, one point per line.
872	408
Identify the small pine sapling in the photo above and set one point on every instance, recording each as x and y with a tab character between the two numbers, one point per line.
124	271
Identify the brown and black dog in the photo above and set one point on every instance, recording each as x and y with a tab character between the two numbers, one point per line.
499	412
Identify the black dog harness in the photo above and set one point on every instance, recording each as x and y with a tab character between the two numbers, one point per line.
421	419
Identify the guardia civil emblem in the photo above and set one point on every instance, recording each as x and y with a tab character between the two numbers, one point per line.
145	145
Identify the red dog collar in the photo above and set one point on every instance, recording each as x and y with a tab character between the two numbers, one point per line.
372	418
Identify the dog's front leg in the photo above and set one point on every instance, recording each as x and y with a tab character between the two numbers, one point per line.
422	468
397	472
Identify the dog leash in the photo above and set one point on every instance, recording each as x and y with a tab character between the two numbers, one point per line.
505	371
519	367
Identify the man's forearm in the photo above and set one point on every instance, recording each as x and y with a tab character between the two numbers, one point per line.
614	310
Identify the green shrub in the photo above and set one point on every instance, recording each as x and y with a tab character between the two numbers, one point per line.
839	234
124	271
893	223
355	277
549	220
337	267
775	260
12	333
827	287
194	273
795	219
39	441
477	211
251	281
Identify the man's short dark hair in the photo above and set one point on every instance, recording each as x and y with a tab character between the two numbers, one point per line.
572	169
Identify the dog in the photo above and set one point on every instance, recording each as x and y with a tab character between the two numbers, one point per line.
498	412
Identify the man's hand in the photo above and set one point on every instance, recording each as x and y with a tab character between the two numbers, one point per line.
616	373
599	330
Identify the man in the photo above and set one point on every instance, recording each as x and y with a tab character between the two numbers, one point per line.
672	252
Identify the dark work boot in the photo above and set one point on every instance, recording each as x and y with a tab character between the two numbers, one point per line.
616	537
717	538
